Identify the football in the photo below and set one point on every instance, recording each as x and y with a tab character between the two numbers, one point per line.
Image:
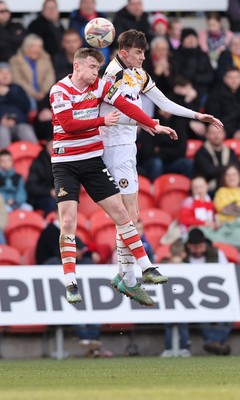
99	32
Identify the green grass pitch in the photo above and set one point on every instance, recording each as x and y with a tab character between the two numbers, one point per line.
140	378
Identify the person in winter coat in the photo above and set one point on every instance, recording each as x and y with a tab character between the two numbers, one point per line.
32	69
193	63
224	102
11	33
12	187
48	27
14	109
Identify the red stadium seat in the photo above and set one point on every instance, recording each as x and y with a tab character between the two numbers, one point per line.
103	229
23	229
234	144
29	256
23	155
193	146
86	205
145	197
155	223
82	228
162	252
9	255
169	192
230	252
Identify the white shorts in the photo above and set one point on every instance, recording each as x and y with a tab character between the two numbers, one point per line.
121	163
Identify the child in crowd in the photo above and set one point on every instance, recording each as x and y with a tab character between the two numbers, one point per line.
12	187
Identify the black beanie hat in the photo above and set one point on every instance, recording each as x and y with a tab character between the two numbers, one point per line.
196	236
186	32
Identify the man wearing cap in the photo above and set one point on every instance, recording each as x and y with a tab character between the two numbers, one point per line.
200	251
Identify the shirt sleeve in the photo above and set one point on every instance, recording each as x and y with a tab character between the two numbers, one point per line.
167	105
133	112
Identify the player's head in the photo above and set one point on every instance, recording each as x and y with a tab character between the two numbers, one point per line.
132	46
86	64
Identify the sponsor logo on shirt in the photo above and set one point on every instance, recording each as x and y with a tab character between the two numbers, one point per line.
87	113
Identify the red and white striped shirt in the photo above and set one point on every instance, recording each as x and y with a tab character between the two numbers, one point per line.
84	142
76	118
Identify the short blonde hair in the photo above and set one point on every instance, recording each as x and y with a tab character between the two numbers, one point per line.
84	52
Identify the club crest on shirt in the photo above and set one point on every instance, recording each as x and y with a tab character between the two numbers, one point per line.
123	183
89	96
62	192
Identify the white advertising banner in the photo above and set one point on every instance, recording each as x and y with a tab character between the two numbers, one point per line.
110	6
194	293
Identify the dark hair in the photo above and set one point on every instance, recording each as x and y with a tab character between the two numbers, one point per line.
71	31
225	170
196	236
132	38
5	152
84	52
230	69
214	15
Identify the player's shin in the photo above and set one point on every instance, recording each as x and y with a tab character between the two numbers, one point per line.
67	245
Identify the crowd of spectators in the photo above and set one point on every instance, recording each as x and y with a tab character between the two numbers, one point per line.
197	69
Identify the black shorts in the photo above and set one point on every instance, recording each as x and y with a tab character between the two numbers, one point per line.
91	173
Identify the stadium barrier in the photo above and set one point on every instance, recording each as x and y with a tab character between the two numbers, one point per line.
194	294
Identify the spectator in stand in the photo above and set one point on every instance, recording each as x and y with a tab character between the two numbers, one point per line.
184	94
212	157
12	186
63	61
32	69
200	251
157	155
48	27
132	16
227	197
194	64
177	255
227	205
159	51
3	220
11	33
43	121
198	209
224	102
79	18
215	38
174	34
14	108
229	57
159	24
233	13
40	185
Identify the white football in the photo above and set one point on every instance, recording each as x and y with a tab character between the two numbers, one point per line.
99	32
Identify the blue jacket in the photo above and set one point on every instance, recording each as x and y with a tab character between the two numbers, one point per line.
12	186
16	102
